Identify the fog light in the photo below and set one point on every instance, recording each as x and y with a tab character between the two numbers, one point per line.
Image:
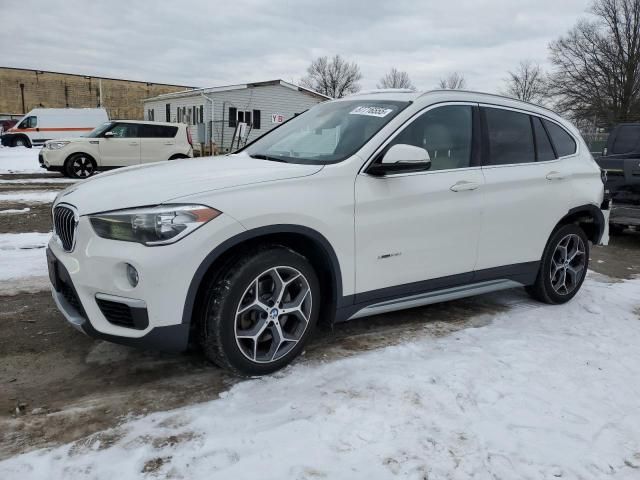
132	275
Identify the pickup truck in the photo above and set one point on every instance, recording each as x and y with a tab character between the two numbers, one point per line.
621	161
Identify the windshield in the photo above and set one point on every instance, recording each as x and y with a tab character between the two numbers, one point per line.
98	131
327	133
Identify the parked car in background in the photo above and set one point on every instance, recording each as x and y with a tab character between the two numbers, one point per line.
120	143
359	206
621	161
42	124
6	124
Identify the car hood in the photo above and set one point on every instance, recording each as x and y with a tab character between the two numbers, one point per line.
164	182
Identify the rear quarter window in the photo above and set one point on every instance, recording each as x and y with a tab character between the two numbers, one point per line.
625	139
564	143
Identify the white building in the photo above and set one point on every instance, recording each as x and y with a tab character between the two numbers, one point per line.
214	113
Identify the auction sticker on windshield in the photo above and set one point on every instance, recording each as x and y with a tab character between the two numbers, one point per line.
371	111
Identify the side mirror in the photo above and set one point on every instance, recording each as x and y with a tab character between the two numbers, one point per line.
108	135
402	158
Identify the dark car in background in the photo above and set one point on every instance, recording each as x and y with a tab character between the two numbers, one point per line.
621	161
6	124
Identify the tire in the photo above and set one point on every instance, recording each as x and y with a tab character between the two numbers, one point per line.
80	165
21	141
177	156
563	267
244	333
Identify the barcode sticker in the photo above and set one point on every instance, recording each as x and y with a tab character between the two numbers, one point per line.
371	111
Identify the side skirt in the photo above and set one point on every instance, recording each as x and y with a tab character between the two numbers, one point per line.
434	297
437	290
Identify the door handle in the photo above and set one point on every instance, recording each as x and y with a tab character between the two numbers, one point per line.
169	143
463	185
555	176
133	143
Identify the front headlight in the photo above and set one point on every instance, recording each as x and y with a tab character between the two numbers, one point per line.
56	145
150	226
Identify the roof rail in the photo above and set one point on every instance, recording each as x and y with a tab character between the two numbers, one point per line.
496	95
382	90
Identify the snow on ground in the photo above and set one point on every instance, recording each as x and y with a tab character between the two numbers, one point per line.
38	180
539	392
11	211
19	160
26	196
23	262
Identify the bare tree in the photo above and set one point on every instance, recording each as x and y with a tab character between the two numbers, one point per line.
597	64
396	79
334	77
453	81
527	83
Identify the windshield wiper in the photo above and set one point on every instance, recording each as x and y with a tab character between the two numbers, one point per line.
261	156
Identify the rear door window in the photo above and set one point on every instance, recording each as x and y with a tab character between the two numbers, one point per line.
626	139
158	131
510	137
564	143
543	144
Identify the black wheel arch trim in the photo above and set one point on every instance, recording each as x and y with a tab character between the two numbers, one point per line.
592	211
222	248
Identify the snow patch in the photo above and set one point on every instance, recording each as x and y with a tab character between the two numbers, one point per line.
11	211
20	160
29	196
23	255
539	392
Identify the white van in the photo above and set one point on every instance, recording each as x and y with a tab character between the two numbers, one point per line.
42	124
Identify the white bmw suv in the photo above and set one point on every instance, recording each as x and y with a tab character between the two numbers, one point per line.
368	204
119	143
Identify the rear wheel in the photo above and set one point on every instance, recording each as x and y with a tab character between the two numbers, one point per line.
177	156
563	267
260	313
80	165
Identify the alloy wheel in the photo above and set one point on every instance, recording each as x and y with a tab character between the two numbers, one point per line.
82	167
567	264
273	314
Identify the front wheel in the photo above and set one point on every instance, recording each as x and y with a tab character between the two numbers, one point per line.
563	267
80	165
21	142
260	313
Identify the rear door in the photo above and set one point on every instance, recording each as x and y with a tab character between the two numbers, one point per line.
123	148
526	191
157	142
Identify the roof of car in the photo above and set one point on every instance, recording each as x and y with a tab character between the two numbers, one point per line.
432	96
150	122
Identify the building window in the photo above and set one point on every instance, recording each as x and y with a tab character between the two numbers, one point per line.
167	112
233	116
240	117
256	119
150	114
201	114
247	118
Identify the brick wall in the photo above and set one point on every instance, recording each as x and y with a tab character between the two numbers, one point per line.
121	98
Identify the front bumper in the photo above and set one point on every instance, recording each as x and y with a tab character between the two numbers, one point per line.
96	270
52	159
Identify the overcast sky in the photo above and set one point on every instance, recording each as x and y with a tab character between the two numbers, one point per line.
208	43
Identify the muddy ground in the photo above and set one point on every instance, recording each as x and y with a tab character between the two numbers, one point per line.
57	385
